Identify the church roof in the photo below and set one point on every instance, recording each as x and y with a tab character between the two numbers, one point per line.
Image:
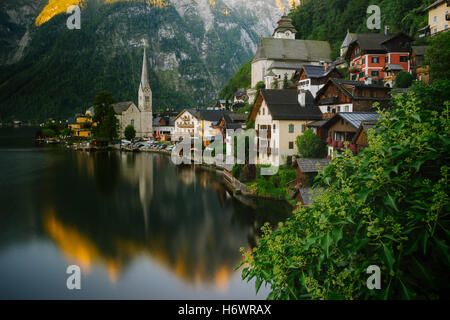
121	107
285	65
288	49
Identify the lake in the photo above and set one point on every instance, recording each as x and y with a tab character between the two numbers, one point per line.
138	226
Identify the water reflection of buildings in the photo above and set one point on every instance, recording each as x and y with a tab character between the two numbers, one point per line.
188	219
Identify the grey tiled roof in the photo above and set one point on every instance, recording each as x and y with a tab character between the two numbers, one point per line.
309	195
121	107
394	67
355	118
287	49
285	65
284	105
312	165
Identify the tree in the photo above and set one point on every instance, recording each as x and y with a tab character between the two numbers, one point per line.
438	57
310	146
404	80
275	84
130	132
260	85
107	123
389	206
285	82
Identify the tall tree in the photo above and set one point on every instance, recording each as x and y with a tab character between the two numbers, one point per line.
107	123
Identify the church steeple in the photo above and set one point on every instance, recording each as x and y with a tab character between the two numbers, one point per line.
145	92
285	29
144	76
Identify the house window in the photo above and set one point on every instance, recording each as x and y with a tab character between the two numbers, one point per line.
354	77
346	109
435	18
364	61
339	136
291	128
375	59
147	99
303	128
386	59
446	27
132	123
361	75
403	58
274	128
375	73
291	145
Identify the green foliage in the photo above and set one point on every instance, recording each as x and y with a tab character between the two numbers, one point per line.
273	185
130	132
285	82
244	109
107	123
438	57
275	84
404	80
388	206
242	79
311	146
260	85
48	132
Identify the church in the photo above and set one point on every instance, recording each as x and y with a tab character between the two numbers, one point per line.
283	54
140	117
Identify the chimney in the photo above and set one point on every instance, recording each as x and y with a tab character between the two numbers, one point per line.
302	98
386	30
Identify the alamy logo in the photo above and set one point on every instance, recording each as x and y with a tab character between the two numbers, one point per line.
374	281
374	21
74	21
74	280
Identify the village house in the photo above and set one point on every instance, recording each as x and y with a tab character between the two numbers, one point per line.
369	53
307	169
340	95
343	127
141	116
312	78
280	114
420	70
163	127
221	105
201	123
240	96
283	54
361	138
81	125
438	18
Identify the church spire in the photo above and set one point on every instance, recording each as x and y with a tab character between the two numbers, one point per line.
144	76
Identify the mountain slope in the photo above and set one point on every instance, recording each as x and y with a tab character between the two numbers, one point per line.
194	48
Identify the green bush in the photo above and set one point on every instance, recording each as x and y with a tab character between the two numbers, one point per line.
48	132
309	145
237	171
260	85
130	132
403	80
388	206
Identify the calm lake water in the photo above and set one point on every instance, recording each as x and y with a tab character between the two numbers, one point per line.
138	227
